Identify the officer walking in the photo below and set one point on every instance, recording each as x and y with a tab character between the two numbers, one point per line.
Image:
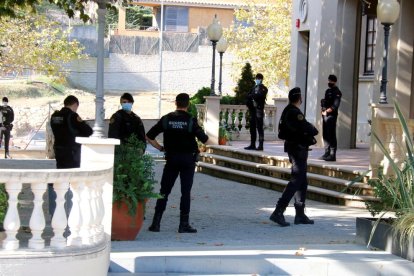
181	151
66	126
298	135
125	122
256	101
329	110
7	118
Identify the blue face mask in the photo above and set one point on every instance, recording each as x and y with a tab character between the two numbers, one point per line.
126	106
258	82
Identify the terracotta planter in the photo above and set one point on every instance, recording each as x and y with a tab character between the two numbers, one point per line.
222	141
384	238
125	227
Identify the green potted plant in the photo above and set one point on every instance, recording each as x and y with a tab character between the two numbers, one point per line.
396	194
133	184
224	135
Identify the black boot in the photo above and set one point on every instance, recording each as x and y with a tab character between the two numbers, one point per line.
331	156
251	147
278	216
326	154
300	217
260	147
185	226
155	226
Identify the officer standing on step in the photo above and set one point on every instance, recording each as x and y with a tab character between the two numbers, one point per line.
181	152
256	101
298	135
329	110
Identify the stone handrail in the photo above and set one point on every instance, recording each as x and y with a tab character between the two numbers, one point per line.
235	117
390	133
85	220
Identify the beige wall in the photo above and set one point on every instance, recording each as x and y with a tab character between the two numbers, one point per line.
202	17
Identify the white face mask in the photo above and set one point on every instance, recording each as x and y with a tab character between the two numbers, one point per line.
4	103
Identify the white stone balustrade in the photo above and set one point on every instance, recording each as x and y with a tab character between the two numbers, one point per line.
390	133
236	117
86	215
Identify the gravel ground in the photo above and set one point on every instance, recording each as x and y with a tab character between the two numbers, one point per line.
231	214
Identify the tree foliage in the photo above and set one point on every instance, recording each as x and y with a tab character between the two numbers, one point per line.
34	42
244	85
261	36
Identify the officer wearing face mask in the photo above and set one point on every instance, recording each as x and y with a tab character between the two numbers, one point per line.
6	120
125	122
329	109
256	101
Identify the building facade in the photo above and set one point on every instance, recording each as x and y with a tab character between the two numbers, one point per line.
344	37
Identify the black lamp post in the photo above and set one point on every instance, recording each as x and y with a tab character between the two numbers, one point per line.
221	48
387	13
214	33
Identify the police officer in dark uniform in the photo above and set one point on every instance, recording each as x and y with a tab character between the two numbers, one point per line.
298	135
329	110
7	118
256	101
66	126
125	122
181	151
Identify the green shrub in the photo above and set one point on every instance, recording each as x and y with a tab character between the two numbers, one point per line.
244	85
3	203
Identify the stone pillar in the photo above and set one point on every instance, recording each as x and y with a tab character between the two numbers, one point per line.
96	153
212	118
280	104
379	111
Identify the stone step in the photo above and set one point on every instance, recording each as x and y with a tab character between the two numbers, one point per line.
314	179
283	162
342	259
314	193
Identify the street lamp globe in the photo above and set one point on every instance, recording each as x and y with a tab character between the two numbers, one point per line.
214	30
388	11
222	45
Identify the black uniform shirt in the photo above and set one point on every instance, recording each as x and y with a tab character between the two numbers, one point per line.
7	115
66	126
257	97
297	129
180	130
333	99
123	124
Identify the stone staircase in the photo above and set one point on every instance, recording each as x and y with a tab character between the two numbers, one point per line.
329	184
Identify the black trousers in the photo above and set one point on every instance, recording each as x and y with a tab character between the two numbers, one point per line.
329	131
6	134
298	184
256	124
182	164
67	157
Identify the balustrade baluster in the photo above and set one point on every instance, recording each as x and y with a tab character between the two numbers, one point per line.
11	222
85	205
75	216
100	211
266	119
237	118
244	120
230	117
37	220
59	220
94	211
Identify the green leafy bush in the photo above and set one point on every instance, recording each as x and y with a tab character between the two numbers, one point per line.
3	203
133	174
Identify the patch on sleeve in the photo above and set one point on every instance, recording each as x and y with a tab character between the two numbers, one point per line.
300	117
79	119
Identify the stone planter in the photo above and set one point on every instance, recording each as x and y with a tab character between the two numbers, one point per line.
125	227
384	238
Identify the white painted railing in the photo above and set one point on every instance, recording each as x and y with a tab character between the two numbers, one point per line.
85	217
236	118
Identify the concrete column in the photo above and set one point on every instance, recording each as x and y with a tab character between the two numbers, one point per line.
95	153
280	104
212	118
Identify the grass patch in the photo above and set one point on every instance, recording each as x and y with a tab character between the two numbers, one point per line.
31	89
